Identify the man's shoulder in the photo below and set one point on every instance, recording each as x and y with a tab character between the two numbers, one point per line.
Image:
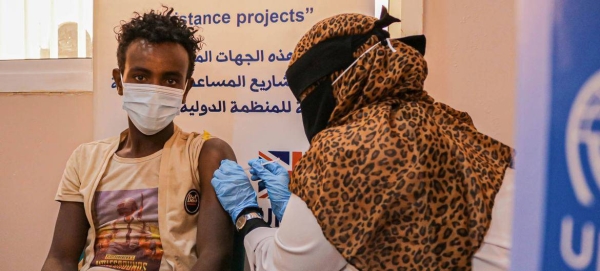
216	143
97	146
88	157
185	135
217	149
205	141
102	142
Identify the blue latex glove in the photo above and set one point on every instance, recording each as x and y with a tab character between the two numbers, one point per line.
277	181
233	188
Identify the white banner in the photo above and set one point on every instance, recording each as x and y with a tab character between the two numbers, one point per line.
240	92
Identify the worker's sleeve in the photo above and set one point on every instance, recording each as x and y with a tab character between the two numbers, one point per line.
298	244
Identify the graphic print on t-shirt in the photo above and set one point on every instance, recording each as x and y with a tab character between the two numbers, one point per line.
127	235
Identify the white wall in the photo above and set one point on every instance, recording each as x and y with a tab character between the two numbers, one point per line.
38	133
471	52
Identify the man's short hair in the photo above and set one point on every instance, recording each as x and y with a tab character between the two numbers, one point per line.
158	27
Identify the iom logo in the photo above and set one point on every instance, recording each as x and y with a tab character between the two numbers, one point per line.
583	141
583	161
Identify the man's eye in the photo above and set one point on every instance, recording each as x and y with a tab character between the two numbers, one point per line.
139	78
171	81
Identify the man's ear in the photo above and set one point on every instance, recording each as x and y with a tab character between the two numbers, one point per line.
190	83
116	73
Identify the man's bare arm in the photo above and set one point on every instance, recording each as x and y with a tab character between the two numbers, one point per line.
69	238
214	241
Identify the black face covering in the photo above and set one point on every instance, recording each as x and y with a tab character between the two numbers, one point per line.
311	68
319	62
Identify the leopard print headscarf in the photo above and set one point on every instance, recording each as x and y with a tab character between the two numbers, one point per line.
396	181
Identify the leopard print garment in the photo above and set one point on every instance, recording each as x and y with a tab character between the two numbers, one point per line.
396	181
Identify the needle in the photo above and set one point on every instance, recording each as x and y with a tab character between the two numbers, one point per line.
264	164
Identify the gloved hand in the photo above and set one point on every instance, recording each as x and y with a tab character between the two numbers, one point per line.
233	188
276	180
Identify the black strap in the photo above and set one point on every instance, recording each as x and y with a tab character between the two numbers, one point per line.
318	62
252	223
418	42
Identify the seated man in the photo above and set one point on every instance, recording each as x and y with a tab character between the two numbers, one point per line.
143	200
